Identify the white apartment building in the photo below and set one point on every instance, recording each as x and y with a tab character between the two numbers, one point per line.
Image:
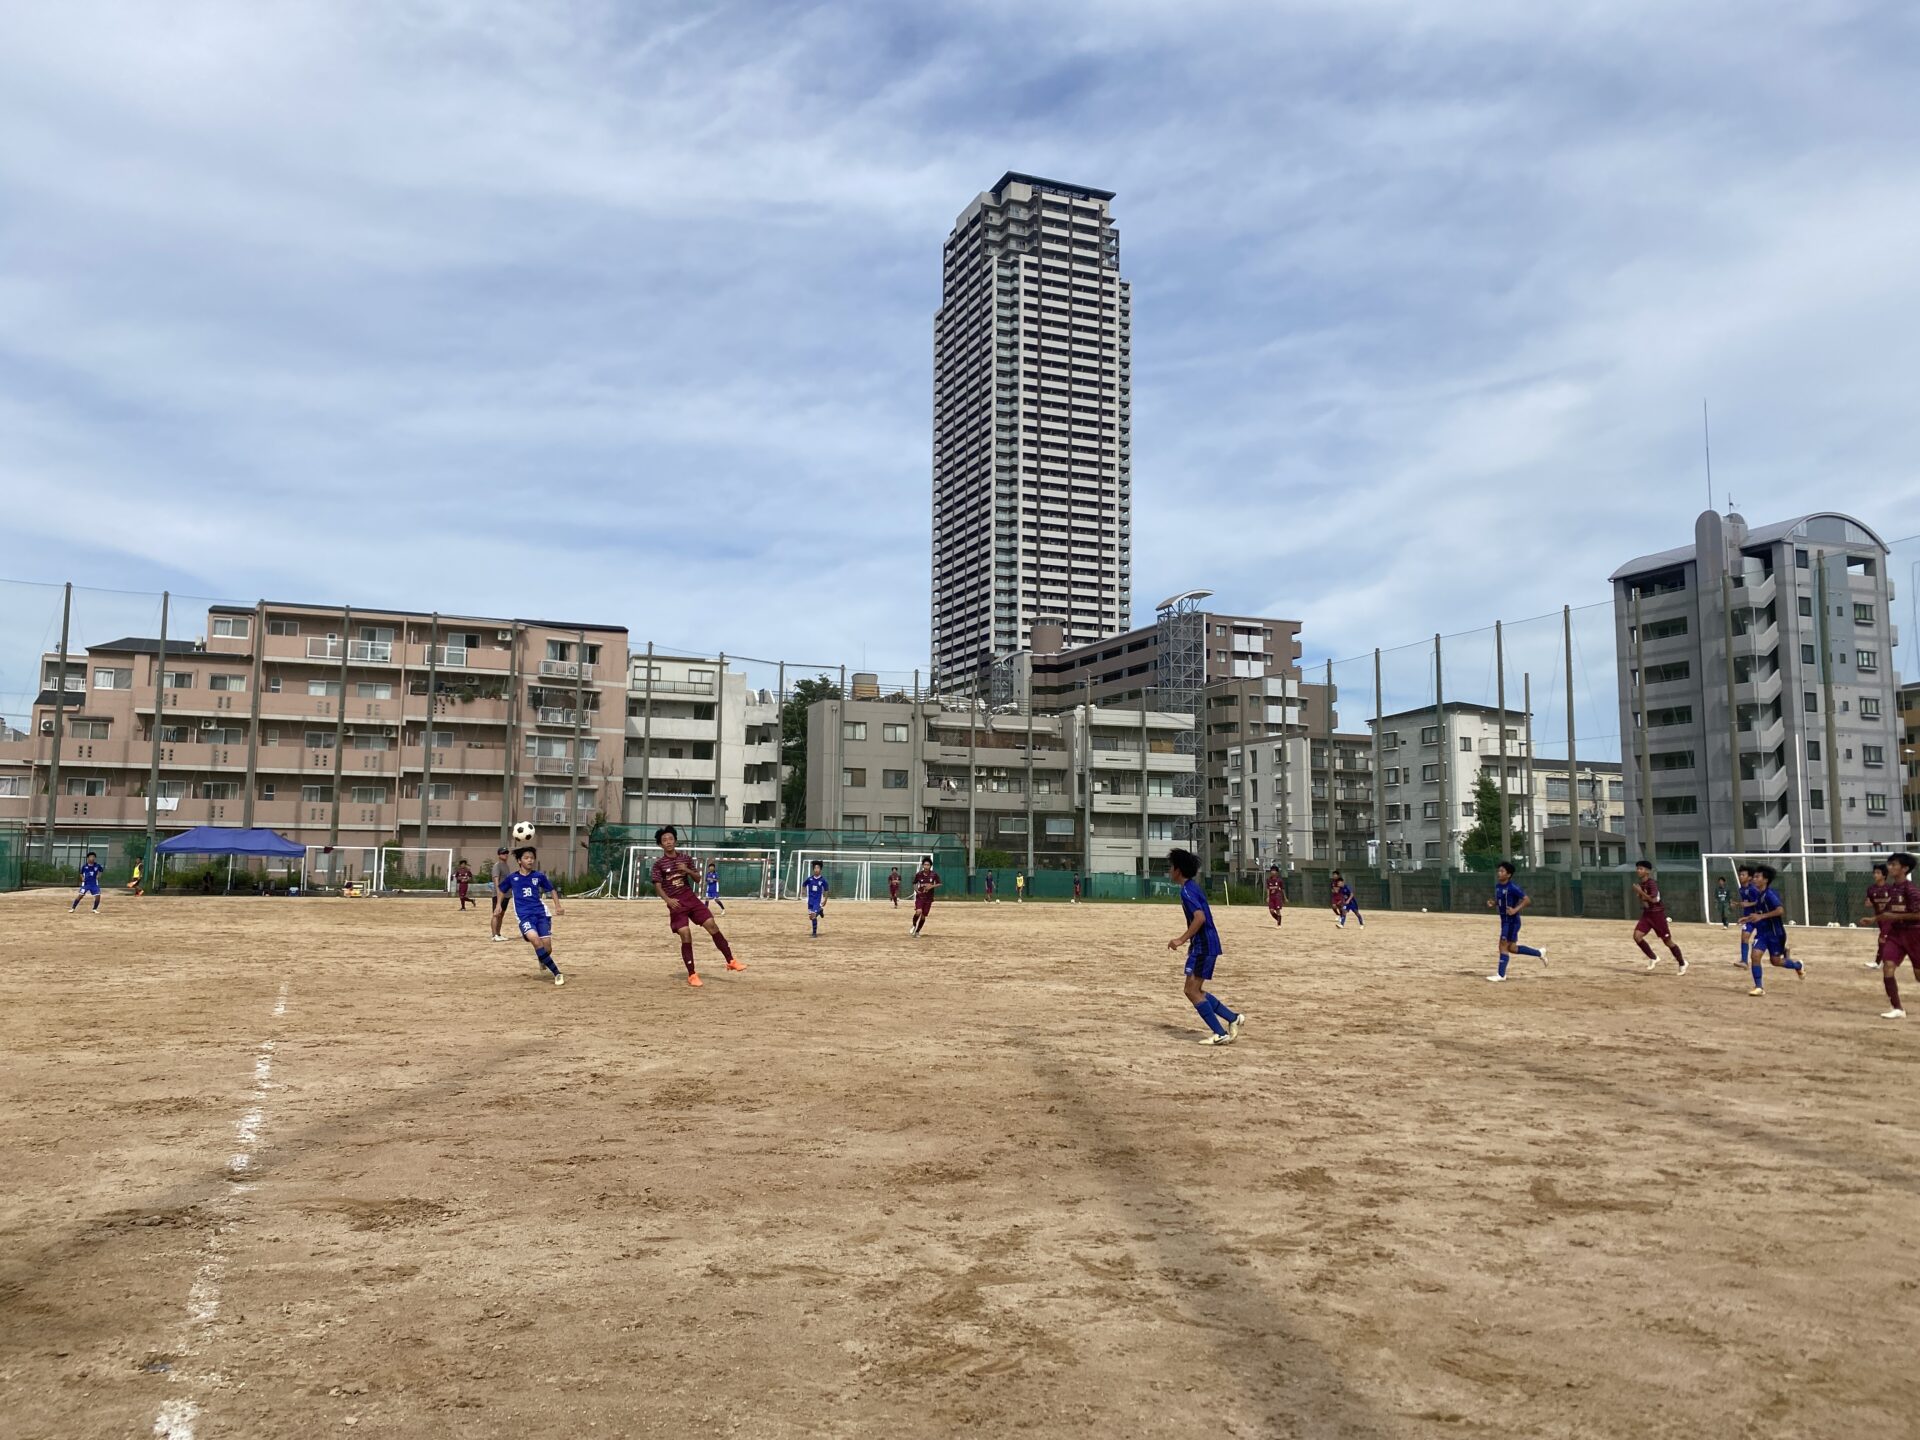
702	747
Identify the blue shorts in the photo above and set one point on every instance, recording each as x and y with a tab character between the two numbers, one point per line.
1200	962
816	909
1766	944
90	887
540	925
1510	929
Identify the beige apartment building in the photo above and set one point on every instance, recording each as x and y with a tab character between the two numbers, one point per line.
702	745
1091	789
309	719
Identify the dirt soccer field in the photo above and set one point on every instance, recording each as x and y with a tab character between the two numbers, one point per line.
285	1168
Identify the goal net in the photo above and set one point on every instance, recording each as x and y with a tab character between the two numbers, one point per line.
342	866
407	867
745	872
1817	887
855	874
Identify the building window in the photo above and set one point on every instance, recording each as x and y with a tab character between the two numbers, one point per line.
233	627
113	679
1675	805
1665	629
273	684
1059	825
1816	799
1876	804
1800	561
893	824
854	822
375	794
894	734
1430	810
1811	701
372	690
266	792
1013	824
229	683
283	627
1429	734
1466	745
1806	655
83	786
1671	715
219	790
176	679
88	729
1873	755
1863	614
1806	607
1466	809
853	729
438	790
893	779
853	779
1432	851
1866	659
1670	760
319	739
1429	772
323	687
311	793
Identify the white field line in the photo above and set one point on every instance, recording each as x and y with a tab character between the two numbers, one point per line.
177	1417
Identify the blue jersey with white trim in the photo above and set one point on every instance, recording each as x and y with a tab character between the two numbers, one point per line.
526	890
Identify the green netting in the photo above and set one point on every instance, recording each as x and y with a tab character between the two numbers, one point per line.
117	850
13	845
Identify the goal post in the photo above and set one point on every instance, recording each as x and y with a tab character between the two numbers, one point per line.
1834	866
341	866
855	874
745	872
414	867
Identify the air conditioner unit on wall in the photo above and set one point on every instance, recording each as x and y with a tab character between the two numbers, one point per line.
505	637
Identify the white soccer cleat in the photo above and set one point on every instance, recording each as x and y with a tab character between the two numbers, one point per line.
1683	967
1654	963
1893	1015
1495	979
1218	1040
1543	954
1870	965
558	978
1233	1025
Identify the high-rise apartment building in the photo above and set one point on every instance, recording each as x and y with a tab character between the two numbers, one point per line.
1775	646
1032	498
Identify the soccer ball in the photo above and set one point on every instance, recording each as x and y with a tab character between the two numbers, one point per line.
523	832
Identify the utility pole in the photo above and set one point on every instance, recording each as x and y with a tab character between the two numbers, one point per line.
426	740
1086	777
159	723
573	759
59	722
1526	760
1030	808
1440	751
1500	688
973	770
511	760
339	745
1573	780
840	753
253	719
1146	866
1379	782
1333	779
780	744
646	737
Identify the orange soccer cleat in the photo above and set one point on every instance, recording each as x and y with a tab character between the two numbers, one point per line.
735	965
694	980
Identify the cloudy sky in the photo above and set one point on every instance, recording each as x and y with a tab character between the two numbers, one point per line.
623	311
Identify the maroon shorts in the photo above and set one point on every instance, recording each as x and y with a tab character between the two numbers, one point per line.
688	912
923	903
1274	910
1654	920
1902	942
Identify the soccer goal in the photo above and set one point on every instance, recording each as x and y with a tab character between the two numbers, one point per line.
412	867
855	874
1801	873
745	872
339	867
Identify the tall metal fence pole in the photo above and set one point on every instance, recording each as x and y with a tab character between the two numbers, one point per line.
1526	762
1648	839
1500	695
426	738
1030	806
1379	780
159	723
510	762
1573	756
720	741
1440	752
339	745
973	770
573	760
1086	780
840	753
1145	784
254	684
59	722
1333	780
646	740
780	746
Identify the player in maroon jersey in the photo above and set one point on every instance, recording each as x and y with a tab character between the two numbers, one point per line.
1900	924
1276	893
676	880
1653	916
1879	896
893	886
926	880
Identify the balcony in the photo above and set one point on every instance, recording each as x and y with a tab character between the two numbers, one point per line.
565	670
547	715
364	652
639	685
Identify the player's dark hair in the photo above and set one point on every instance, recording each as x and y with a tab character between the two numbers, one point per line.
1766	871
1643	865
1880	869
1272	868
1902	859
663	832
524	851
1336	876
93	854
1506	865
1183	863
816	864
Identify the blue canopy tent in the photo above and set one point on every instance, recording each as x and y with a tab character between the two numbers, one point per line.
219	840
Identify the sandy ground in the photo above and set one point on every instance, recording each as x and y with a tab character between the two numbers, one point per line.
279	1168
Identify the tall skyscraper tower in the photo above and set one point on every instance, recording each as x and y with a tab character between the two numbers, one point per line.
1032	427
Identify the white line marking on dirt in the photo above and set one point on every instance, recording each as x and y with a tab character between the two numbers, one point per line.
176	1418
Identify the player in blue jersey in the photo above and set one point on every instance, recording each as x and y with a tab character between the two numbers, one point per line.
816	887
1203	949
1749	896
1509	899
525	888
1770	930
714	902
89	883
1343	902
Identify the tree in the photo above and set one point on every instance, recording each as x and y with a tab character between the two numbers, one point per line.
793	747
1481	847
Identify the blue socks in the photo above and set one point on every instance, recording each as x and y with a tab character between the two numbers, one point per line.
1793	964
546	960
1215	1012
814	920
1503	965
1757	979
1526	950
